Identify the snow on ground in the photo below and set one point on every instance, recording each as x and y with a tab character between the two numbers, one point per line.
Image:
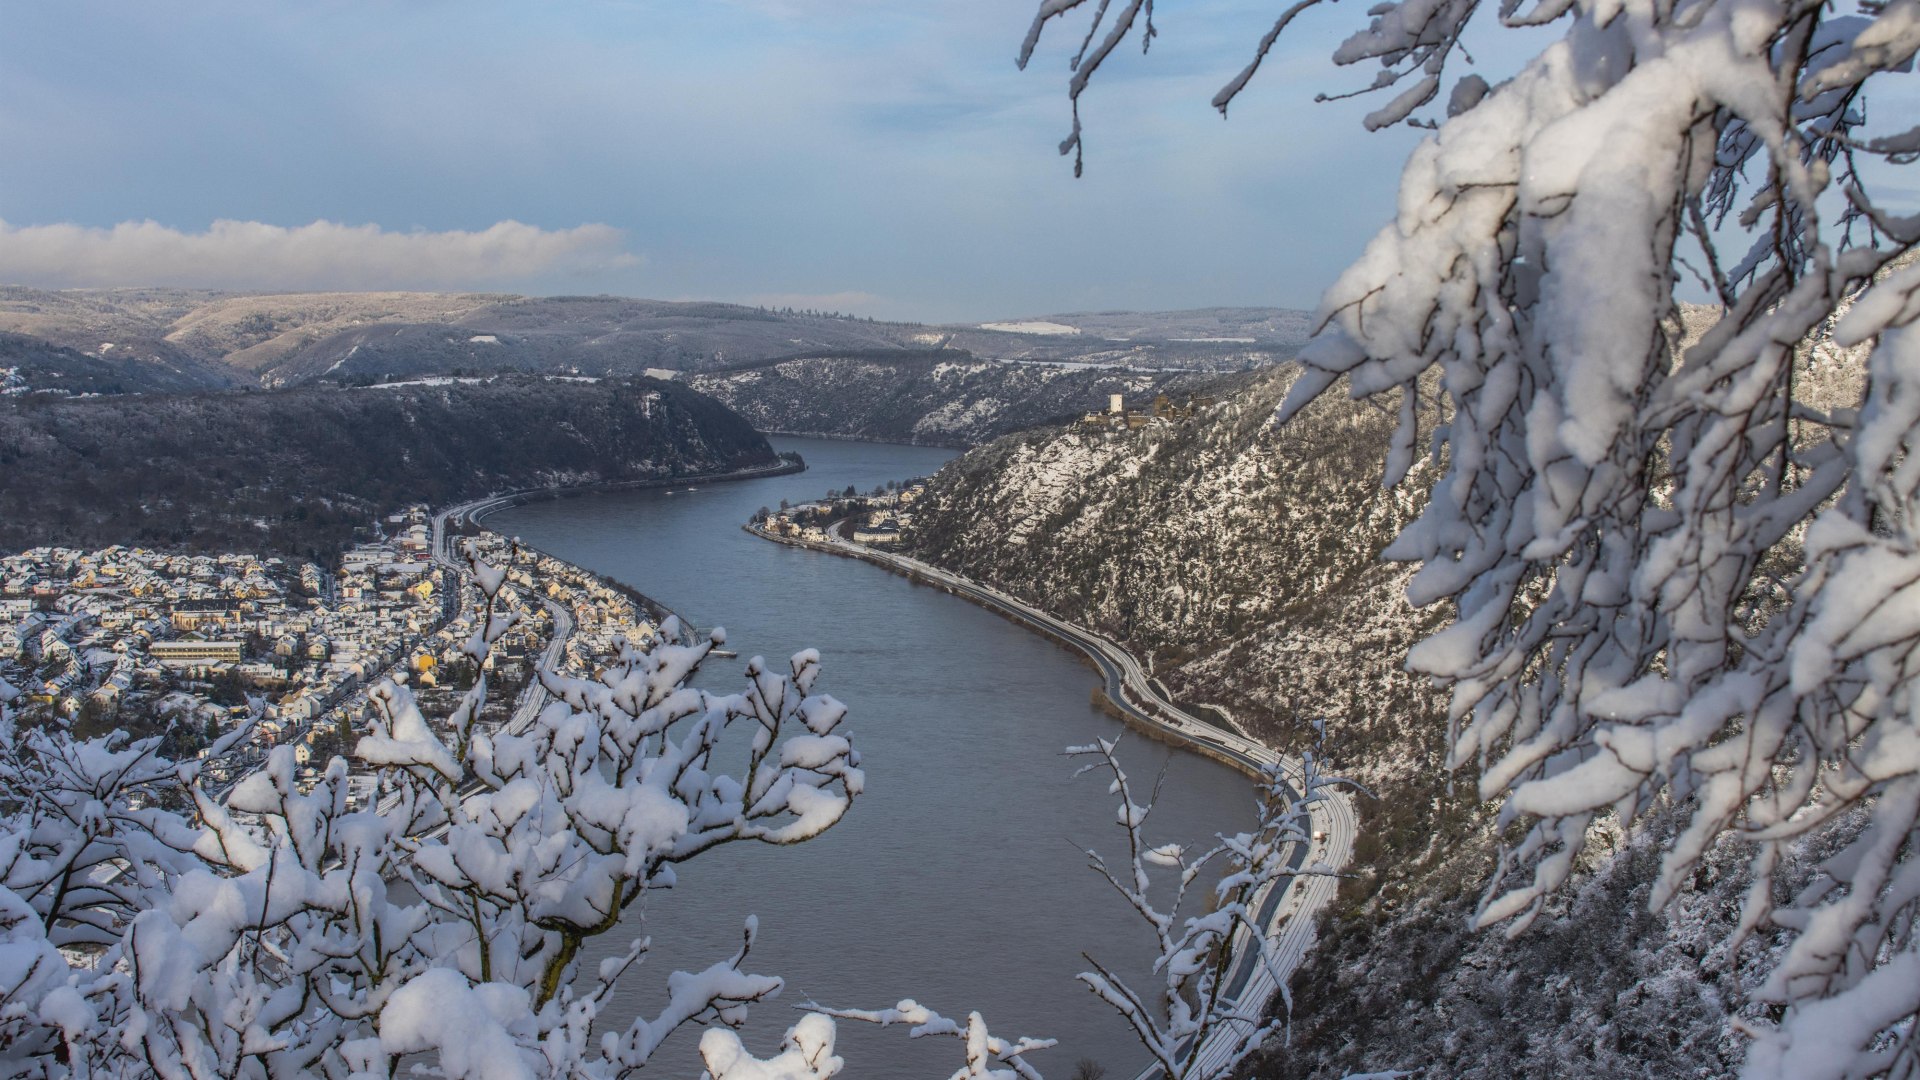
1036	326
956	417
1041	479
431	380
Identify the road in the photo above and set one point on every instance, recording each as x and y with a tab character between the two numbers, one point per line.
534	697
1287	911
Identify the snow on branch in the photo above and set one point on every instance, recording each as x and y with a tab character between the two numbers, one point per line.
1680	543
984	1049
289	931
1199	1001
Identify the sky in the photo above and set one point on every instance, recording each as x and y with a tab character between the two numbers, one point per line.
880	158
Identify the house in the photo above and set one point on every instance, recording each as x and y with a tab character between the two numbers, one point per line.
190	615
197	652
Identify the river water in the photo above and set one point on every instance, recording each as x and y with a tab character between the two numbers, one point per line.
958	879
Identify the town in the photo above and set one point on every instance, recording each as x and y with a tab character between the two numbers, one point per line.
876	518
186	647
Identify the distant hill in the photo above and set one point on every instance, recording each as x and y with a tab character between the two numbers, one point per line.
32	366
1281	328
930	398
287	339
296	472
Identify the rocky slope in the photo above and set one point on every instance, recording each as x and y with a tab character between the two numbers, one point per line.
298	471
1241	559
930	398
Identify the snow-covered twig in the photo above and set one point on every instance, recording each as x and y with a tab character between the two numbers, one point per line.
984	1049
1197	1002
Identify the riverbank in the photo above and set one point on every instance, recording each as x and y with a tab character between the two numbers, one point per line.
833	436
1152	713
473	512
1287	914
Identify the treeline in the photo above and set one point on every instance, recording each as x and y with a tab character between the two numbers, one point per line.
928	397
298	472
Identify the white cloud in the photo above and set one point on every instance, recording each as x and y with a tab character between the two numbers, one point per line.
322	255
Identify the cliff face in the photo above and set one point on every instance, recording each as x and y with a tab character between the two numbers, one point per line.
298	471
1241	558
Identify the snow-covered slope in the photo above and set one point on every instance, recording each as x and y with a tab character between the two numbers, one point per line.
1217	545
288	339
1241	559
931	398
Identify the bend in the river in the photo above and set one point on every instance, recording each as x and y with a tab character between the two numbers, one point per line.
958	879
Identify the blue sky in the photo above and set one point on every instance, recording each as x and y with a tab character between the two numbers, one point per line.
886	158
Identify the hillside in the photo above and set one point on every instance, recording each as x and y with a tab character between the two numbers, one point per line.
1240	559
286	339
298	471
930	398
1206	544
30	365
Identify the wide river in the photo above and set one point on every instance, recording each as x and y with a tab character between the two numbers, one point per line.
959	878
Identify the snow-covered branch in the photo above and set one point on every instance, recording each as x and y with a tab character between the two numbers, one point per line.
287	931
1680	542
1200	996
985	1051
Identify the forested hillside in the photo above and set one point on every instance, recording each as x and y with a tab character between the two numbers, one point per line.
928	398
289	339
1241	558
30	366
298	471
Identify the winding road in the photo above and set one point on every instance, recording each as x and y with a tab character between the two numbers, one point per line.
1286	910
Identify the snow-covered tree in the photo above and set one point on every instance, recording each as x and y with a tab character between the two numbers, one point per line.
1198	1021
1685	573
288	933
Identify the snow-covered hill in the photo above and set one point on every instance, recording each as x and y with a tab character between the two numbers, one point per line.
1241	558
288	339
930	398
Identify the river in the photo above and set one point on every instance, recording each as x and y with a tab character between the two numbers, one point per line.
958	879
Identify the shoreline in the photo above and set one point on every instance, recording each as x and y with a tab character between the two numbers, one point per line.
1085	643
829	436
1287	916
474	511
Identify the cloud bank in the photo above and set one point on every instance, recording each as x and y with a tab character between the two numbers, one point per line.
322	255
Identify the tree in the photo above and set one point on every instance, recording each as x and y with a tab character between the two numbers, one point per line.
287	933
1682	568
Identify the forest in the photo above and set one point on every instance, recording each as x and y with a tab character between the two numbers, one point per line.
298	472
